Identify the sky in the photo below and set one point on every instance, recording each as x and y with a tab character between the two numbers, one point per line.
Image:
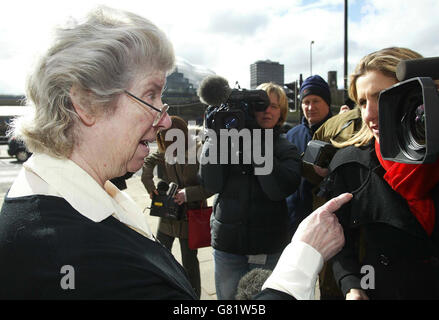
227	36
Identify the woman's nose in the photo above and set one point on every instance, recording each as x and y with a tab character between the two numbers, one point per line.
165	122
370	111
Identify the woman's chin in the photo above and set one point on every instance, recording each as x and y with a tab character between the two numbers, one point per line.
136	162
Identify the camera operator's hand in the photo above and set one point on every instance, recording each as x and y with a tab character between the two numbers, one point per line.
321	229
180	197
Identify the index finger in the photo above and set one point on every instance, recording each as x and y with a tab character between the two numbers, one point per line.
336	203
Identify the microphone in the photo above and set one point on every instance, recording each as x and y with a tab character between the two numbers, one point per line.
251	283
214	90
425	67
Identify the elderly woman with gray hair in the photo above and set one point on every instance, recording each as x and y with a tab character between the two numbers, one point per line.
66	232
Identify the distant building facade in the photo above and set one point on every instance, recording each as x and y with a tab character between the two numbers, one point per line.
266	71
337	95
181	90
11	100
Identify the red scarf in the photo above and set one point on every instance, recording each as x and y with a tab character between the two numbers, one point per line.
413	182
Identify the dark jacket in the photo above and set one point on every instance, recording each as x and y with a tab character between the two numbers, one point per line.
120	182
300	203
381	232
41	234
250	214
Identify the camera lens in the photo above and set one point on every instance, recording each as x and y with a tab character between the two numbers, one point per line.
417	124
413	142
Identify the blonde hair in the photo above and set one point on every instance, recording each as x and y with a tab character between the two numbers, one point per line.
99	57
272	88
177	123
384	61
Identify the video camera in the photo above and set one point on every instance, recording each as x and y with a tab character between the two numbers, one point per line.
230	108
409	114
319	153
162	204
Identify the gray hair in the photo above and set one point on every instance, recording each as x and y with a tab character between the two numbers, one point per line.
100	57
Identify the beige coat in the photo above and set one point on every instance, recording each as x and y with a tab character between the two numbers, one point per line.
186	176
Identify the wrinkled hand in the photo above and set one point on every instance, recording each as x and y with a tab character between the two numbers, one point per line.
321	229
356	294
179	197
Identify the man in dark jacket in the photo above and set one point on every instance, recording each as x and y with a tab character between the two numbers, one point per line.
316	100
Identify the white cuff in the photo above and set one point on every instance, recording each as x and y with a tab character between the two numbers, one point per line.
296	271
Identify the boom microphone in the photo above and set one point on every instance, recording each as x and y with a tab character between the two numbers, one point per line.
425	67
214	90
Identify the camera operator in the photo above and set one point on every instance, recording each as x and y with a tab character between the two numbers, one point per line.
390	225
190	193
250	219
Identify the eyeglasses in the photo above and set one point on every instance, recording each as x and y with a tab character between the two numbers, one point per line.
160	113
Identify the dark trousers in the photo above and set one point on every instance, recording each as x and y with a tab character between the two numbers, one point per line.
189	259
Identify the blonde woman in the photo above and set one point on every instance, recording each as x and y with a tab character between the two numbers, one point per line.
389	225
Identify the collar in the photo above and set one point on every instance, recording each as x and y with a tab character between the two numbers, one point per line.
314	127
43	174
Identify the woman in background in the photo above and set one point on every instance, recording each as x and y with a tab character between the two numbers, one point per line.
190	195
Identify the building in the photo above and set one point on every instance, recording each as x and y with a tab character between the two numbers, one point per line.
11	100
181	90
337	95
266	71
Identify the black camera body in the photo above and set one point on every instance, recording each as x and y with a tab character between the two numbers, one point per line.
238	111
409	116
162	204
319	153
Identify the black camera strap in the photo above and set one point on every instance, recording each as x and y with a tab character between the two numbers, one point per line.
347	124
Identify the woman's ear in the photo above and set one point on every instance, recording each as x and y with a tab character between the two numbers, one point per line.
79	104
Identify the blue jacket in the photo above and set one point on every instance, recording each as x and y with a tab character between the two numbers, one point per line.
300	202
